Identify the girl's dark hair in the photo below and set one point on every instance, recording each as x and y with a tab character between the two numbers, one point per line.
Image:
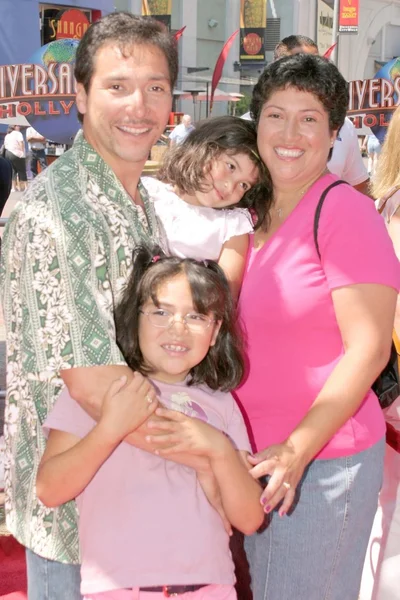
184	164
223	366
307	73
125	30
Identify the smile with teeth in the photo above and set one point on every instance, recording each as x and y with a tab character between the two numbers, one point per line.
175	348
134	130
289	152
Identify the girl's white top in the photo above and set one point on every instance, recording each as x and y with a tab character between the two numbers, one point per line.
192	231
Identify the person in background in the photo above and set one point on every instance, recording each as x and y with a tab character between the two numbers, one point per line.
380	579
346	161
74	234
37	145
181	131
15	152
372	146
318	313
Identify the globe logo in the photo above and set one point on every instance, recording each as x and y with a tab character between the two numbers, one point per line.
389	71
52	109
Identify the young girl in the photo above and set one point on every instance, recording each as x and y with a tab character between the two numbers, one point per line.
216	167
146	527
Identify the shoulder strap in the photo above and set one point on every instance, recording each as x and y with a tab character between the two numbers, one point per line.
390	193
318	211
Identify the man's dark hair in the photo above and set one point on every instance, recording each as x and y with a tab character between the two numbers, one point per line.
223	366
307	73
125	30
289	43
184	166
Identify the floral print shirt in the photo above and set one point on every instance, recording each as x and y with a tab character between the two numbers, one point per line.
66	256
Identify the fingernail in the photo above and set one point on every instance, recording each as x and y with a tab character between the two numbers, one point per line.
267	509
264	501
283	513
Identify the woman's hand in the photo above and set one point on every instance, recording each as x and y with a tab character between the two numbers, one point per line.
181	433
285	469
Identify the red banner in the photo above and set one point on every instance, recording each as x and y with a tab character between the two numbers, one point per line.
349	11
219	65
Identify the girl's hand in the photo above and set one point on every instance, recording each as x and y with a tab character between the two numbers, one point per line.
285	469
211	490
127	406
186	434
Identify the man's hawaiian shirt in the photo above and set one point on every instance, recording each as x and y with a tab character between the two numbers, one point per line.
66	256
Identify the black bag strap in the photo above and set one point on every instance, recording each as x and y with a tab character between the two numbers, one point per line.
318	211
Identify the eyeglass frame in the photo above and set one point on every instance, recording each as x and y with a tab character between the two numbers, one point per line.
172	319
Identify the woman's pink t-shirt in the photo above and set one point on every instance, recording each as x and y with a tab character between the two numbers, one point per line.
294	341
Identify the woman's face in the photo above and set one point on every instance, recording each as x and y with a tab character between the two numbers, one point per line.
294	138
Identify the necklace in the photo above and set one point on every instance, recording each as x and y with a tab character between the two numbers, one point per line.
279	210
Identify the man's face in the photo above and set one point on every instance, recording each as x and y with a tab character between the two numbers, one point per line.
304	50
127	106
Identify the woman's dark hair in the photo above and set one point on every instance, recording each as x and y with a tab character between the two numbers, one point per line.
223	366
125	30
184	166
307	73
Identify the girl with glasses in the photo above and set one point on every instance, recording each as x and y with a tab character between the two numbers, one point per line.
169	535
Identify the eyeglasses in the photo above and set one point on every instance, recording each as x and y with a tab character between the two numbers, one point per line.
195	322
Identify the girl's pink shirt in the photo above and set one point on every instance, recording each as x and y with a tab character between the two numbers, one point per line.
294	341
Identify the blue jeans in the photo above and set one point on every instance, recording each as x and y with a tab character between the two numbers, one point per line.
52	580
37	156
317	551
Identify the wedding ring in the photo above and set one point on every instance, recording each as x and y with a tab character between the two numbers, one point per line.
286	485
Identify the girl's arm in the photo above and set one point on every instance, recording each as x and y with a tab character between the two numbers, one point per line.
69	463
232	261
240	494
364	313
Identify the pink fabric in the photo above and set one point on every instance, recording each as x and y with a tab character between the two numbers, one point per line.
145	521
211	592
294	341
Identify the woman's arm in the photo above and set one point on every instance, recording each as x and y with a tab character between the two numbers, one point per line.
232	261
240	494
364	313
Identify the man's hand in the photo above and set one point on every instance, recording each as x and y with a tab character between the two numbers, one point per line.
126	406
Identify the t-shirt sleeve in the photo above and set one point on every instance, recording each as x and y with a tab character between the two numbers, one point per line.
354	171
237	222
236	428
69	417
354	244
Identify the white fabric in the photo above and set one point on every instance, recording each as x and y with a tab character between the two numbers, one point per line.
31	132
346	161
192	231
12	143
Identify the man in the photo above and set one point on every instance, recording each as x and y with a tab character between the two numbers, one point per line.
37	144
181	131
74	236
346	161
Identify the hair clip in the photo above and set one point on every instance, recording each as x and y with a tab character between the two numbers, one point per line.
205	263
155	258
256	155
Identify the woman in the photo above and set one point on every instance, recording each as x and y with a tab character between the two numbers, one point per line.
373	147
380	577
15	153
319	332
